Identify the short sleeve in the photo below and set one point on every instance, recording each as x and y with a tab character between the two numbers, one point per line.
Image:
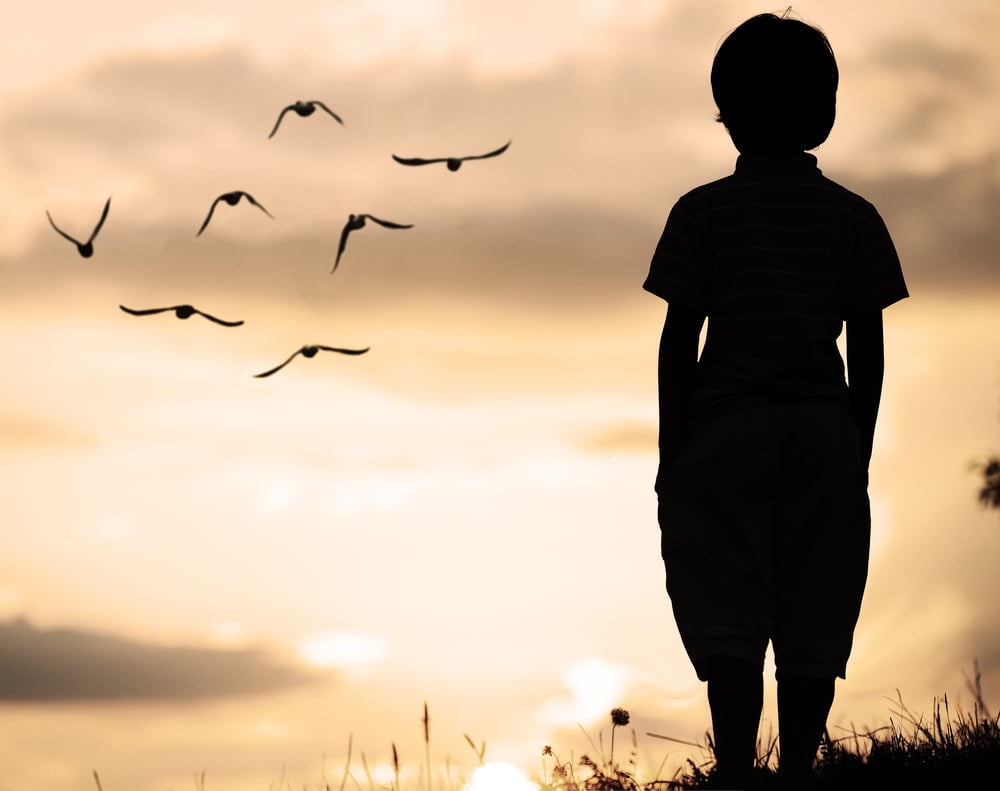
875	280
677	272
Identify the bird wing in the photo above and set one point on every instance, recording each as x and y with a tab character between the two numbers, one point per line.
386	223
100	222
499	151
250	198
343	351
278	122
323	107
143	311
59	230
342	245
211	210
418	160
218	320
278	367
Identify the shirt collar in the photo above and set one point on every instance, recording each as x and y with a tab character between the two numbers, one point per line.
794	164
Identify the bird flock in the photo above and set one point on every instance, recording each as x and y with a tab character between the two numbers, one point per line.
355	222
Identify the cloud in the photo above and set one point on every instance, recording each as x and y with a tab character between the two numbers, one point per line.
344	649
601	147
21	431
595	686
565	258
944	226
626	437
164	132
958	66
64	665
603	141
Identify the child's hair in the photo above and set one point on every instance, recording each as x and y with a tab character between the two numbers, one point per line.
774	80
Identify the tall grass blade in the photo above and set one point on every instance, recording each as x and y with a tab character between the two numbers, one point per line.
347	762
479	751
427	744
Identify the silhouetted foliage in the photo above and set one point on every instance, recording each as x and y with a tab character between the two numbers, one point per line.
989	494
948	749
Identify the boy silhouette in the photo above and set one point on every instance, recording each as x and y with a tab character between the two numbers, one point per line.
764	448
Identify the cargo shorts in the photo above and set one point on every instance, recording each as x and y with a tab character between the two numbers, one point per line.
765	531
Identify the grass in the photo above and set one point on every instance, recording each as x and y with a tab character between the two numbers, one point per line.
952	749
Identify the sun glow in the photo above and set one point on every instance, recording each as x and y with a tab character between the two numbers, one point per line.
595	685
499	777
344	650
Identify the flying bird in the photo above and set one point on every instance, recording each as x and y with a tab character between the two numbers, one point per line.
182	312
232	198
354	223
454	163
304	109
86	249
310	351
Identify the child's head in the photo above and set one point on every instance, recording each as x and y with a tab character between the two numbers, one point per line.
774	80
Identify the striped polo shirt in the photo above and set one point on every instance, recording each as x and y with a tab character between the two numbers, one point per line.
777	256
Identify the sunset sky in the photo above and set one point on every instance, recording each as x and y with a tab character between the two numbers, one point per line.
201	570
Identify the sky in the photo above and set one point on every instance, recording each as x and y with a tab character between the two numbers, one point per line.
205	571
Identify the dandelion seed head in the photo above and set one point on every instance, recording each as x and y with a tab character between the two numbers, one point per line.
619	717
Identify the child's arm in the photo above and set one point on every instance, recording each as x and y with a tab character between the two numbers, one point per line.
865	366
675	374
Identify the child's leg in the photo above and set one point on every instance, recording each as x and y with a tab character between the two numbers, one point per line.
803	706
821	560
735	697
